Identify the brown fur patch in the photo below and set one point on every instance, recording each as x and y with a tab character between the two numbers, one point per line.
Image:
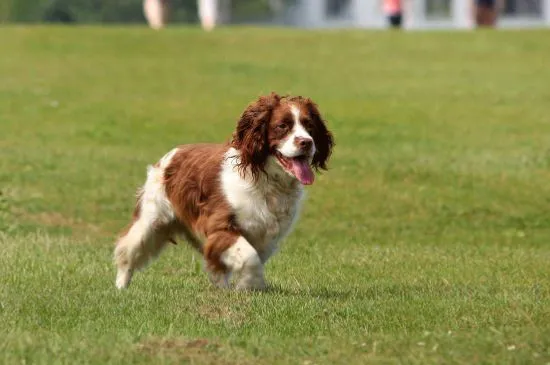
193	186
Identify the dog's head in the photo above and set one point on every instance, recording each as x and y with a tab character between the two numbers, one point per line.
288	129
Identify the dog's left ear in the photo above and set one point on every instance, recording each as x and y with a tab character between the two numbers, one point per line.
250	136
323	138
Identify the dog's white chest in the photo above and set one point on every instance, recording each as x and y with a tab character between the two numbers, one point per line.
265	213
264	210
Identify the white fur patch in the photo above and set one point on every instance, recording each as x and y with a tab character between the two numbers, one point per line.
155	204
265	209
243	260
240	255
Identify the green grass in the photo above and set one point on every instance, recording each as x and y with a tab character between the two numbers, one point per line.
426	242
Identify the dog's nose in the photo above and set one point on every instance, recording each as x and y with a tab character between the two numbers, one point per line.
304	143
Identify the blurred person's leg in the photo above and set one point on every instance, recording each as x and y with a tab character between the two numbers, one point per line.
208	10
395	20
394	12
156	12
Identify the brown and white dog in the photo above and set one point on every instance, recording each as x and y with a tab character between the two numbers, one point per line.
233	202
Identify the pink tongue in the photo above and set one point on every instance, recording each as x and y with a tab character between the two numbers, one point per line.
302	171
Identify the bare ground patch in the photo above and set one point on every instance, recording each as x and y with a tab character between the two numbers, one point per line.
56	219
192	351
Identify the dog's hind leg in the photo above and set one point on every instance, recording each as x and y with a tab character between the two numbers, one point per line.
150	231
143	243
131	252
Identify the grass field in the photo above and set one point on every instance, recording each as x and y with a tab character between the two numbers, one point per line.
426	242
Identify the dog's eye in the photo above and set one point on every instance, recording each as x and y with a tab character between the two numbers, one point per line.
307	125
282	127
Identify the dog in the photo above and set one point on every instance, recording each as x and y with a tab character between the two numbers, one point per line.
233	202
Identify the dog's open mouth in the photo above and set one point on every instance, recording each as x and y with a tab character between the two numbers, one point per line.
298	167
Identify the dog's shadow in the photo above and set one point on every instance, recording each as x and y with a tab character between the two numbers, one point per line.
366	292
319	292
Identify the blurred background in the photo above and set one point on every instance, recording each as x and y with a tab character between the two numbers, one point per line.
416	14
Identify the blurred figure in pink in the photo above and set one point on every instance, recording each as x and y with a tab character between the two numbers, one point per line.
393	9
486	12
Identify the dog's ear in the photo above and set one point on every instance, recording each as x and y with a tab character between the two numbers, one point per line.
323	138
250	136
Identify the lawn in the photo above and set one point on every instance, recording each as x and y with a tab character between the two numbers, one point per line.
427	241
